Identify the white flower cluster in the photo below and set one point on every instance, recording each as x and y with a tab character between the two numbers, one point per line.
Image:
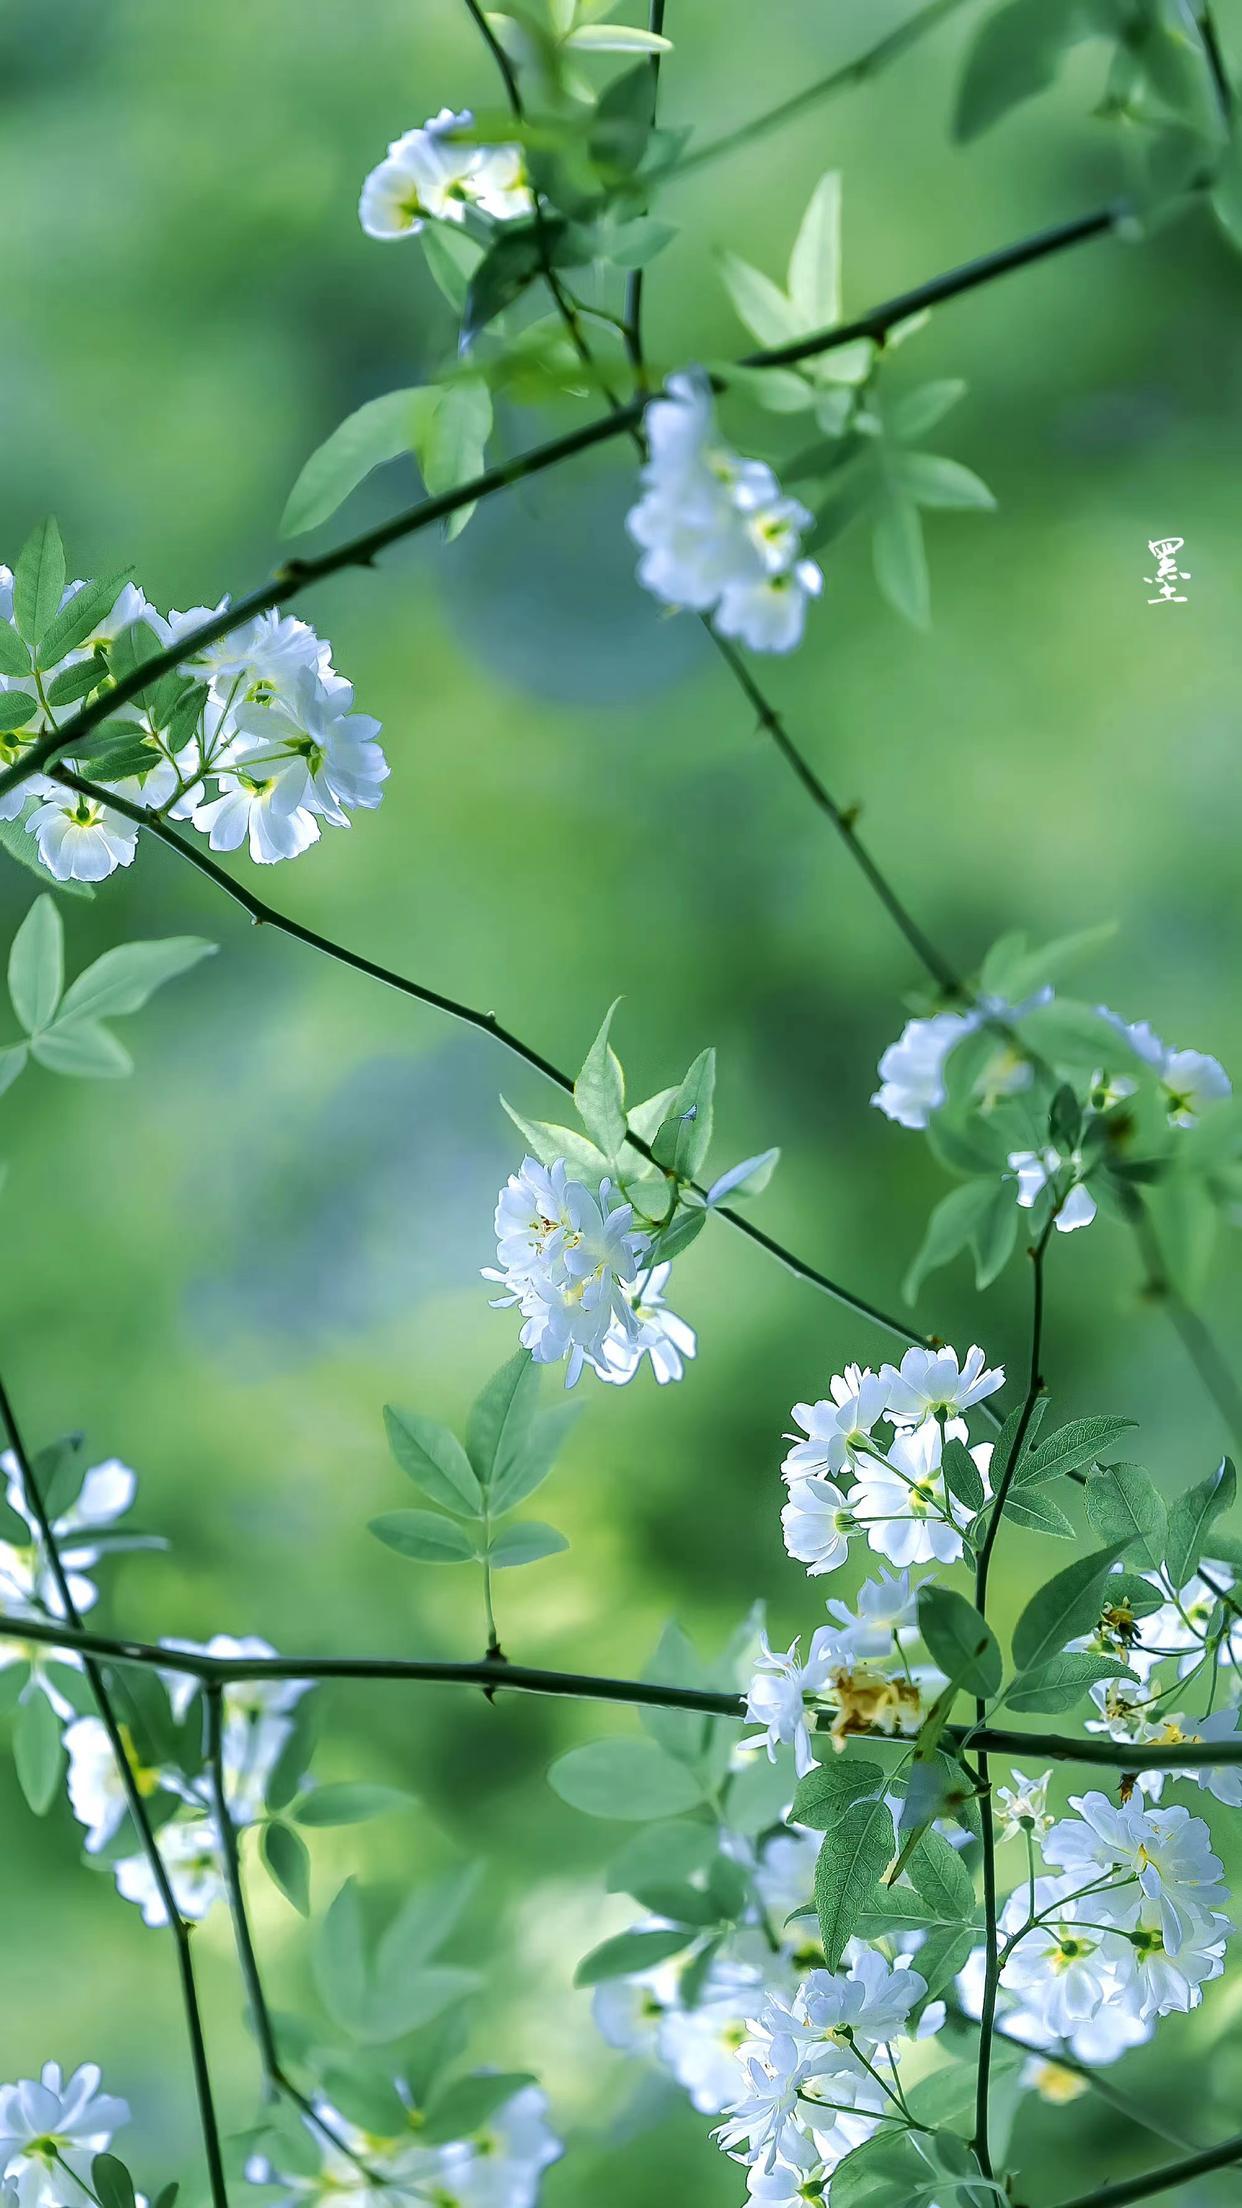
275	751
51	2129
28	1588
498	2166
1128	1926
571	1259
718	535
849	1477
435	175
912	1088
1185	1636
855	1668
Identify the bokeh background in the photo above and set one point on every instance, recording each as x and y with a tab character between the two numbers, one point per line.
222	1268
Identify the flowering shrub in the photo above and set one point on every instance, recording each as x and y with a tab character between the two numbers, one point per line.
864	1929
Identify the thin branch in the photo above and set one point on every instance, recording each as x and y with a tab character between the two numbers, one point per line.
1217	67
1197	1338
1099	2082
266	915
1006	1740
632	313
298	575
1130	2189
851	74
133	1795
991	1975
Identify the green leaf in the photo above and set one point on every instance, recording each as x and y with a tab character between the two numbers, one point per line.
749	1178
37	1752
624	1779
339	1960
599	1091
81	616
37	966
760	304
936	1869
1124	1504
1226	202
957	1217
934	481
621	126
678	1849
920	410
84	1049
827	1791
960	1641
130	652
1069	1604
381	430
617	38
14	655
854	1856
1063	1680
111	2182
348	1802
548	1142
77	681
815	263
287	1860
1016	54
38	581
450	441
885	2172
1191	1518
13	1060
518	255
683	1140
528	1468
425	1537
434	1459
125	979
899	558
995	1234
500	1430
462	2109
527	1543
1070	1447
1038	1513
961	1474
17	708
628	1953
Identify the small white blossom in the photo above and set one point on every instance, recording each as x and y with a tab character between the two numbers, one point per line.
817	1524
51	2129
1167	1851
839	1428
885	1611
1036	1168
567	1257
912	1069
904	1507
1151	1981
1023	1807
660	1335
1190	1079
192	1859
433	175
80	839
929	1383
1061	1968
776	1695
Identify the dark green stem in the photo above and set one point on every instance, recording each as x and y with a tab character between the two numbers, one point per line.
1130	2189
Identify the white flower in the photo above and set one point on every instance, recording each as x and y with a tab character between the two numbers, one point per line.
839	1428
27	1585
255	1712
567	1258
1036	1168
660	1335
764	2116
1151	1981
817	1525
362	2171
784	1878
344	765
903	1505
912	1069
500	2165
885	1611
1023	1807
1189	1078
260	801
715	531
81	840
96	1794
192	1860
701	2045
432	174
798	2177
857	2012
775	1696
1061	1967
51	2129
627	2011
1224	1780
1168	1851
1179	1628
930	1383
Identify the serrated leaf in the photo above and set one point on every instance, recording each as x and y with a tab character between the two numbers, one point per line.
125	979
1069	1604
599	1091
1063	1680
1038	1513
381	430
14	655
1191	1519
961	1474
38	581
854	1856
527	1543
430	1455
37	966
425	1537
960	1641
624	1779
17	709
1070	1447
287	1860
1124	1504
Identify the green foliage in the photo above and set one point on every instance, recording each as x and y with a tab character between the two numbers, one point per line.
1124	1504
856	1851
64	1027
1068	1604
378	1977
1191	1520
625	1779
960	1641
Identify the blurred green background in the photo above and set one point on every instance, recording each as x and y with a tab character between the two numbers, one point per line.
222	1268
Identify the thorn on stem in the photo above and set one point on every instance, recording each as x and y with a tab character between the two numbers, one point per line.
493	1654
